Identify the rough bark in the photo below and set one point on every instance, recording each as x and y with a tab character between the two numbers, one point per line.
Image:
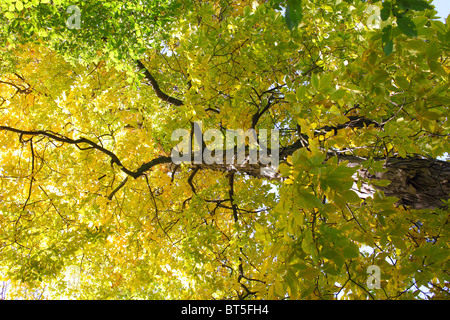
418	183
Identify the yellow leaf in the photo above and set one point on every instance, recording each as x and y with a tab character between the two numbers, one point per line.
19	5
309	273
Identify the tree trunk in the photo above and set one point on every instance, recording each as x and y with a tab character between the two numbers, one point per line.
417	183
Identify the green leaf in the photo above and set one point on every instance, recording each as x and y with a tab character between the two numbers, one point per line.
291	19
399	243
386	39
433	51
351	197
439	27
300	156
402	82
388	47
307	242
386	34
326	81
315	81
307	200
334	256
291	279
298	267
291	97
385	12
300	92
314	255
351	251
436	67
317	158
398	231
293	14
331	269
309	273
418	5
407	26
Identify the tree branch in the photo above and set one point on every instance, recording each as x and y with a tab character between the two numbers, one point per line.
118	188
156	88
231	195
114	159
191	177
32	175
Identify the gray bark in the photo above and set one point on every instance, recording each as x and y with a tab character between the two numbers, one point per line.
418	183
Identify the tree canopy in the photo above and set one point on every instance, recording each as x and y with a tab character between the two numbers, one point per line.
354	93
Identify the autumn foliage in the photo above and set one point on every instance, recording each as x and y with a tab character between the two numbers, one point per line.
93	207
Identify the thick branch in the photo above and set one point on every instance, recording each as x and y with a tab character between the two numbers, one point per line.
257	115
148	165
114	159
271	101
355	122
156	88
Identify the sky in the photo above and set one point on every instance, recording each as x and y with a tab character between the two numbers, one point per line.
443	8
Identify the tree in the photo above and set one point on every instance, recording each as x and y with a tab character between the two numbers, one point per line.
89	182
